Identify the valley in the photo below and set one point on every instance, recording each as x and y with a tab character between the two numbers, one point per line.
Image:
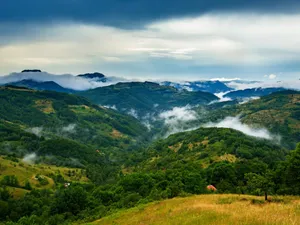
136	150
144	112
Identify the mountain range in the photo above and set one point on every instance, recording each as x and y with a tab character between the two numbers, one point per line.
207	86
145	97
252	92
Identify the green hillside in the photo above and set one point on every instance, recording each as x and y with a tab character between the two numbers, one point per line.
145	97
63	125
278	112
220	156
209	145
110	165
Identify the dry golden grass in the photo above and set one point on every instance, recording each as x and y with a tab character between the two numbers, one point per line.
226	157
45	106
175	147
209	209
116	134
17	89
82	109
17	192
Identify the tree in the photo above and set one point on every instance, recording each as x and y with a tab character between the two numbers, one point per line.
10	181
288	173
260	183
27	185
72	199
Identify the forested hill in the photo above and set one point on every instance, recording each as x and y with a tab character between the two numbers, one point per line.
252	92
207	146
219	156
63	125
145	97
41	85
278	112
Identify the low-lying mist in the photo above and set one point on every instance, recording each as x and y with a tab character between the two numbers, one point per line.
30	158
236	124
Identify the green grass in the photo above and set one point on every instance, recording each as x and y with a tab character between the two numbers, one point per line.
27	172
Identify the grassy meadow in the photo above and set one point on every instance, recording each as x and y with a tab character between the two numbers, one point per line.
220	209
27	173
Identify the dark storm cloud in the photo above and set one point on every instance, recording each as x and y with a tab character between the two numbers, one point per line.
128	13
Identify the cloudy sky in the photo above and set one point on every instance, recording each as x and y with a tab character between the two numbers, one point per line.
190	39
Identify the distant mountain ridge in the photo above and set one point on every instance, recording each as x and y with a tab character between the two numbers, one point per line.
31	71
145	97
208	86
47	85
95	76
252	92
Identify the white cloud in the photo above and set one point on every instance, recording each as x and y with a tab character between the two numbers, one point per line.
211	39
225	79
176	119
245	100
272	76
30	158
289	84
178	114
236	124
133	112
110	107
66	80
147	124
71	128
221	97
35	130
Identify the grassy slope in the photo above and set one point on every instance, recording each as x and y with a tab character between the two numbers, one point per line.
27	172
209	209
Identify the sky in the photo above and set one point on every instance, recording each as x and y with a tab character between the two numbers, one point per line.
153	39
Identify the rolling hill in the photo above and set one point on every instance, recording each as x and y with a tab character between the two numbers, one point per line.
99	77
65	125
46	85
278	112
252	92
206	146
207	86
145	98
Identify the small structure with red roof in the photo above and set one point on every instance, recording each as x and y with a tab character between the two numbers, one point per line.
211	188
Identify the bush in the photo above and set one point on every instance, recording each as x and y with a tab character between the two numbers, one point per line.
257	202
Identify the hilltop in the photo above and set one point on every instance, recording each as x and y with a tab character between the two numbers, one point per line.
278	112
209	209
252	92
